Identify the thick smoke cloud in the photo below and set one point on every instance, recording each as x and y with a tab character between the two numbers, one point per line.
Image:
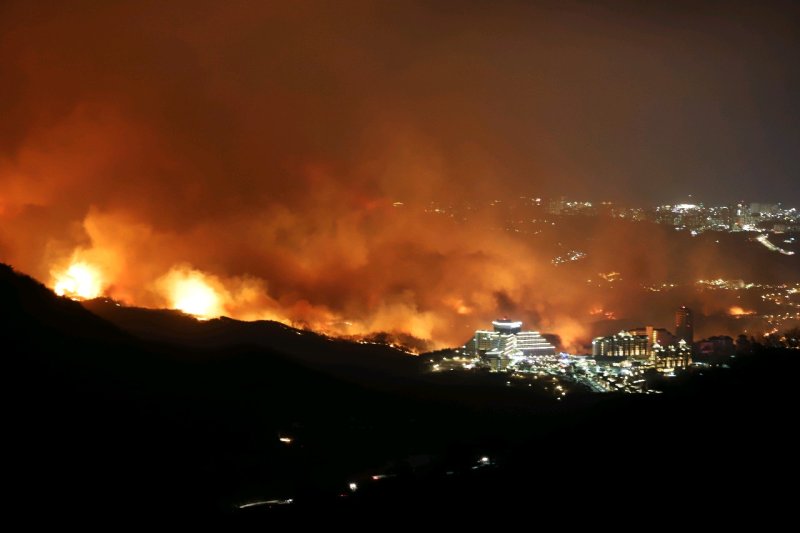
262	147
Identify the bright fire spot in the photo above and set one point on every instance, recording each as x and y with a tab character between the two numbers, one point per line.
79	282
192	295
599	311
738	311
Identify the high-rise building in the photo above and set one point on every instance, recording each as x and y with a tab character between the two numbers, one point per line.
684	325
744	219
638	343
623	344
670	357
483	341
655	336
660	347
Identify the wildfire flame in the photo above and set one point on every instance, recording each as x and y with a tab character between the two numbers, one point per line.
191	293
599	311
739	311
80	281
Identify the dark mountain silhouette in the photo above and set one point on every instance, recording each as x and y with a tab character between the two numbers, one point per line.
108	418
376	362
104	420
28	303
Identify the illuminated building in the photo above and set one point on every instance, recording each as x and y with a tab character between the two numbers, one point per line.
483	341
532	343
506	326
684	325
656	336
674	356
507	341
623	344
504	349
664	215
744	219
688	216
661	348
638	343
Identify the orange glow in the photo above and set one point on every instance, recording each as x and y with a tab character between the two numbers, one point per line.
191	293
80	281
599	311
336	202
459	306
739	311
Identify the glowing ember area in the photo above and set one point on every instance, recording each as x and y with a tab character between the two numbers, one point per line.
600	312
191	294
80	282
739	311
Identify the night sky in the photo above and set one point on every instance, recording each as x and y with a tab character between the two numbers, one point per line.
619	100
258	147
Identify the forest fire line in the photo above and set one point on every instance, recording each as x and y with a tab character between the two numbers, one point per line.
430	312
427	288
356	274
282	174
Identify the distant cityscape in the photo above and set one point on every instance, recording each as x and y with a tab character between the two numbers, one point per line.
695	217
775	226
619	362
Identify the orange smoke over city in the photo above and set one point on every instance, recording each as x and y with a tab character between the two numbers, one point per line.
256	162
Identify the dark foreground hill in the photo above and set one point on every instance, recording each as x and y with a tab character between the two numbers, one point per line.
101	422
374	362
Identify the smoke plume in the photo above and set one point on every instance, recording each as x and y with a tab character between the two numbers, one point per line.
274	160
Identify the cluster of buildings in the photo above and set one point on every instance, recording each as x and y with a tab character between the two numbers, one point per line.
620	362
663	350
696	217
530	357
527	212
506	344
774	218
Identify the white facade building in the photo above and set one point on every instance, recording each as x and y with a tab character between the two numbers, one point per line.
508	341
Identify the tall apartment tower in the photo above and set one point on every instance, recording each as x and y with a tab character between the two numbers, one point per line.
684	324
